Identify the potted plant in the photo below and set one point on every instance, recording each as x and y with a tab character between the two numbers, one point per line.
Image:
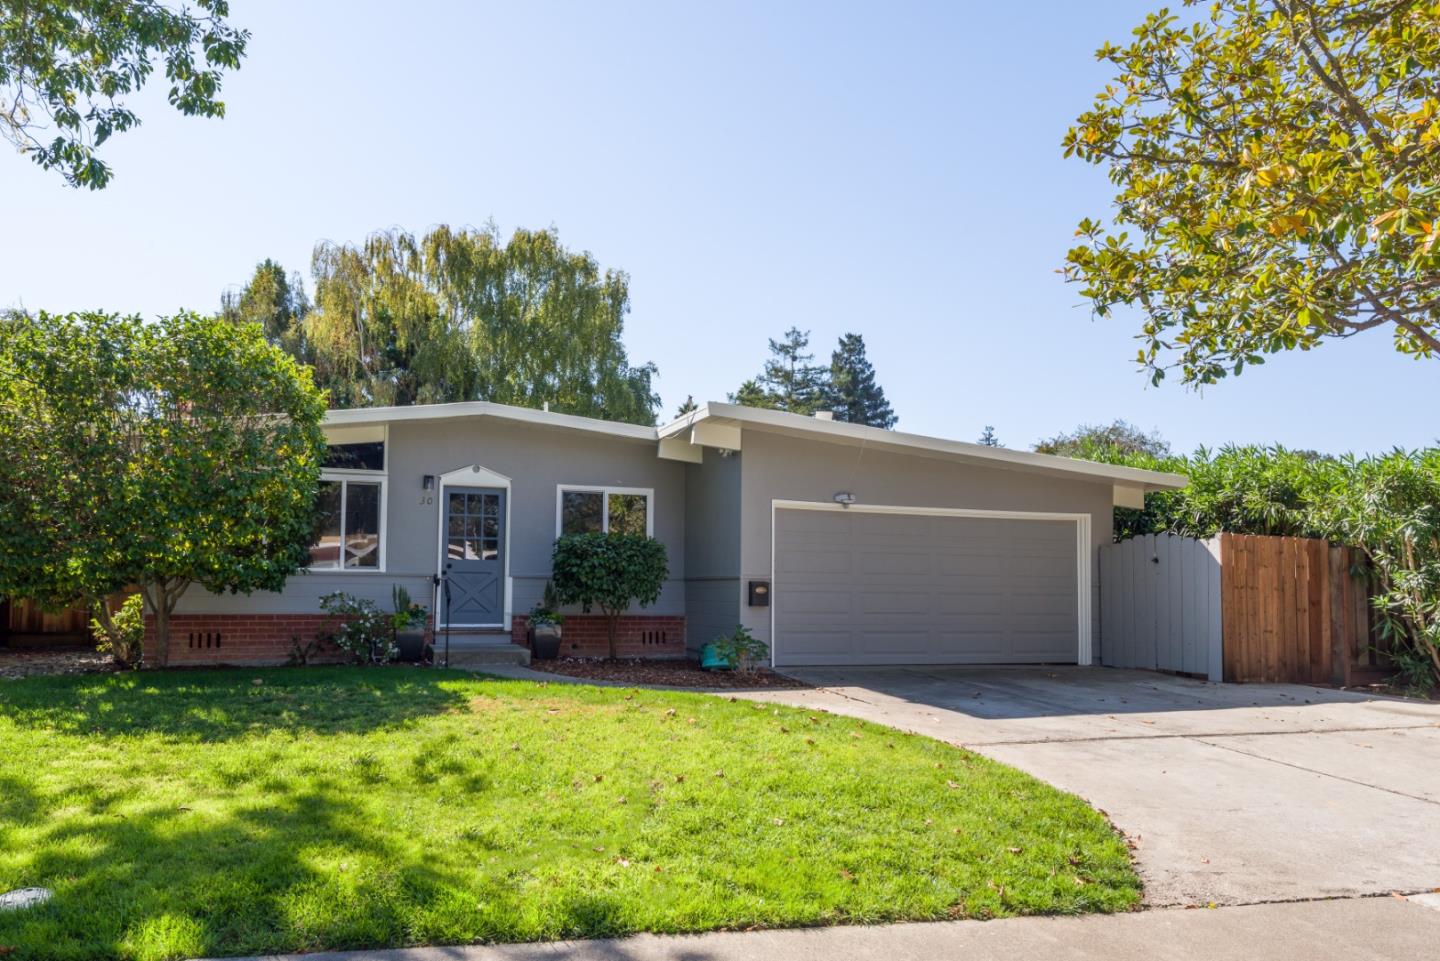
543	627
408	624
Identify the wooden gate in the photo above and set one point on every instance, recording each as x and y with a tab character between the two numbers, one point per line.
1240	607
1160	605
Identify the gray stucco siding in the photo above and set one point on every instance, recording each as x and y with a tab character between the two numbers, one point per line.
775	467
712	547
537	460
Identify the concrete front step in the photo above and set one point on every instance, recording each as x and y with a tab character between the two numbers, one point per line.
483	655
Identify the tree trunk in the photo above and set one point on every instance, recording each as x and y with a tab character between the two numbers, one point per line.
160	597
612	624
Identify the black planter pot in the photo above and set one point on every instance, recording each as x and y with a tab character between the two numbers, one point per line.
544	642
411	645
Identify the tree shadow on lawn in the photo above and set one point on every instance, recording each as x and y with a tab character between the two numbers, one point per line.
305	869
223	704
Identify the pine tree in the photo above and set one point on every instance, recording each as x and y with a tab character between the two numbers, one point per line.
852	392
988	438
790	381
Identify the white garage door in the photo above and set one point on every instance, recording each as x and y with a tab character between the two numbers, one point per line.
861	586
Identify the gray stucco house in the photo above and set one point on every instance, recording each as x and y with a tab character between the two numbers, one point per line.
834	543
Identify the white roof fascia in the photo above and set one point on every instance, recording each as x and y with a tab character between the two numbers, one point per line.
481	408
773	421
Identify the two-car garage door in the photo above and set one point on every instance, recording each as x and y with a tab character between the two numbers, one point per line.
861	586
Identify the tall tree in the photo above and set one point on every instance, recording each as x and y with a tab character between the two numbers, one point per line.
1276	163
277	303
851	391
159	455
687	407
462	315
65	64
789	382
988	438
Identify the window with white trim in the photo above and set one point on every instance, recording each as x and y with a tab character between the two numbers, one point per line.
594	510
349	533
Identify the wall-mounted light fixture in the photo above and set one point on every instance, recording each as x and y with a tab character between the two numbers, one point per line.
428	482
844	498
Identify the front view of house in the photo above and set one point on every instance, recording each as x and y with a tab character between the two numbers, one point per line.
834	543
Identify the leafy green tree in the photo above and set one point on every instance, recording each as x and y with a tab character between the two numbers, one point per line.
988	438
1276	165
688	407
752	394
609	571
158	456
277	303
851	391
65	64
1106	442
462	315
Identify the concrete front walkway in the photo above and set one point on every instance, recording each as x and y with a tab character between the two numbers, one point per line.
1370	928
1232	794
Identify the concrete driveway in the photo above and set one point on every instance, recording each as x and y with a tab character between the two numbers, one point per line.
1232	794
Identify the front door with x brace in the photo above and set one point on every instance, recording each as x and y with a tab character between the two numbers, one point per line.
475	555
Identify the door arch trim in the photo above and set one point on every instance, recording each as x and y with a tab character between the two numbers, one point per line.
473	475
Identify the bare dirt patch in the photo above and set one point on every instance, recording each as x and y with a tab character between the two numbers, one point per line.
669	673
24	662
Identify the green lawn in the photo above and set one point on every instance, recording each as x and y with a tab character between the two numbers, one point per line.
228	812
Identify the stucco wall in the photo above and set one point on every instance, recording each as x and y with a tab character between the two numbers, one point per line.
537	460
775	467
712	547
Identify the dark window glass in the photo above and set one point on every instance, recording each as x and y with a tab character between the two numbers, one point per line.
325	549
367	456
582	512
362	525
627	513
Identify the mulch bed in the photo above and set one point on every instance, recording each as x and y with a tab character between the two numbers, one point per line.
24	662
667	673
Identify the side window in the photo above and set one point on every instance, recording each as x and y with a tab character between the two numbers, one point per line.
598	510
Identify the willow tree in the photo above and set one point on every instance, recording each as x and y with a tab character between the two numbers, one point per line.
1277	164
464	315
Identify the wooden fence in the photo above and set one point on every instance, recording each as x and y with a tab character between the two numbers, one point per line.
23	623
1297	609
1240	608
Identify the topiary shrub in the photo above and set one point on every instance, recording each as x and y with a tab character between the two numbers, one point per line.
609	571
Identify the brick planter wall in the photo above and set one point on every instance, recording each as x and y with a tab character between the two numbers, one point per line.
638	635
219	639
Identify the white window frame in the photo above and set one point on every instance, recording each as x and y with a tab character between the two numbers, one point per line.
604	490
343	476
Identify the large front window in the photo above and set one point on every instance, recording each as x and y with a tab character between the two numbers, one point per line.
351	501
348	537
617	510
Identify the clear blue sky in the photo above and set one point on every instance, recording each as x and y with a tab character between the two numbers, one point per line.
888	169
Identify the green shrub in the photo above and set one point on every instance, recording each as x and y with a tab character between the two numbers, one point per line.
740	649
358	628
609	571
121	633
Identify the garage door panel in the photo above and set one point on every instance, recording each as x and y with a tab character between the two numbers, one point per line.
834	561
891	641
811	602
896	562
857	587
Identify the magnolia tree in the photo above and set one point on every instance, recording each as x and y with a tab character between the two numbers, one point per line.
157	456
609	571
1276	166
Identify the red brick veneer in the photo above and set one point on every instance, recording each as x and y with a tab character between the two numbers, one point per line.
240	639
637	635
